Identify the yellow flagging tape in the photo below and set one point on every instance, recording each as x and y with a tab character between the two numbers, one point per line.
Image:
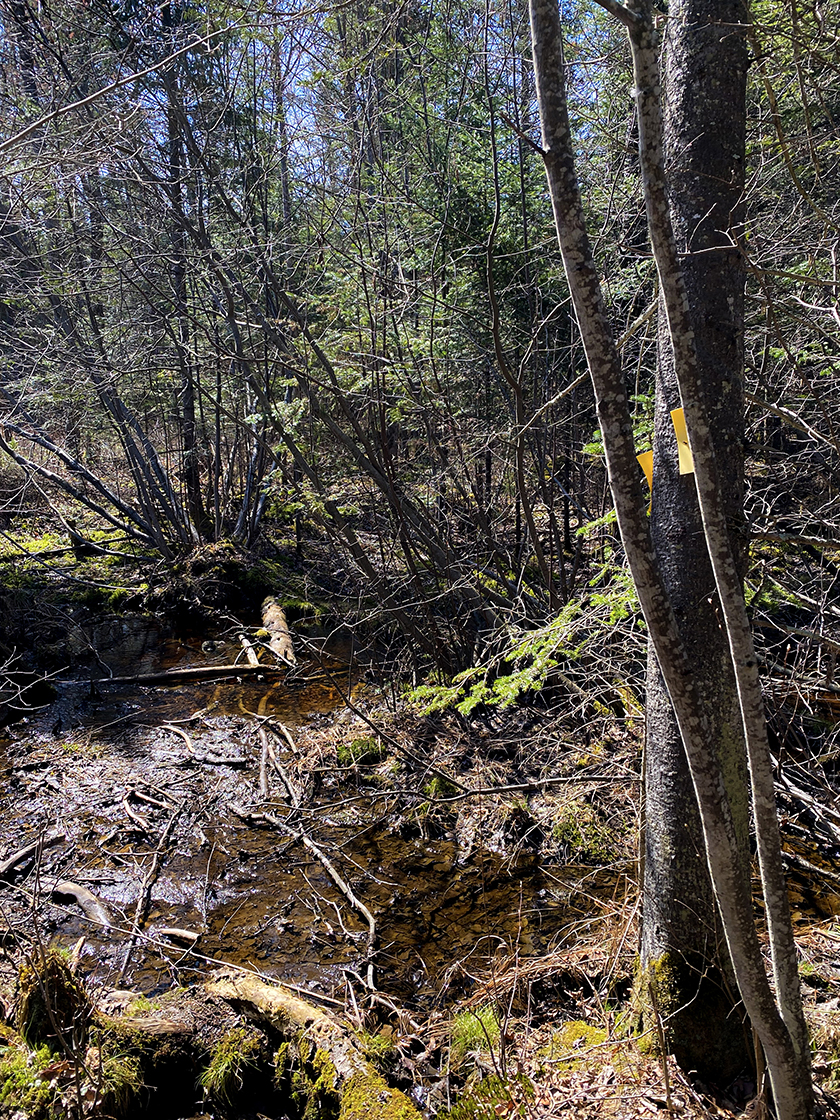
646	463
645	460
684	451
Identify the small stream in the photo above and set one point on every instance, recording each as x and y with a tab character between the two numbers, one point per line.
100	765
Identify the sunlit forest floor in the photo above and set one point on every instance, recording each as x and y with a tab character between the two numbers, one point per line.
508	920
497	849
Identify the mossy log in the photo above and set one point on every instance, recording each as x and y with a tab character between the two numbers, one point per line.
280	637
324	1063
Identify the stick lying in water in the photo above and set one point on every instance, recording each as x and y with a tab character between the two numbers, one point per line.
23	854
92	907
146	891
195	673
336	877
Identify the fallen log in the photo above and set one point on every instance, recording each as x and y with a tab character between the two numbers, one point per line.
280	637
193	673
324	1063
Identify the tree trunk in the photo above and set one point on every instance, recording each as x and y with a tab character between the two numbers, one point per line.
172	18
704	124
779	1023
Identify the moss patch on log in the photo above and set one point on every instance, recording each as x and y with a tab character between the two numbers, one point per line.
367	1094
52	1007
237	1053
311	1077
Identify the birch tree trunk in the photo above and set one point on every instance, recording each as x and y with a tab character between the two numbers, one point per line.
779	1025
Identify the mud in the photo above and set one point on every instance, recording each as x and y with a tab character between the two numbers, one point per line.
165	814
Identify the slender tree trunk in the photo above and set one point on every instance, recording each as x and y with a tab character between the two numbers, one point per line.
194	500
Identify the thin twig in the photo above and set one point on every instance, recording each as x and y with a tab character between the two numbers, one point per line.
145	893
337	878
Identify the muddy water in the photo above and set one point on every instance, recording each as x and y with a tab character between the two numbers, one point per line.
137	646
147	810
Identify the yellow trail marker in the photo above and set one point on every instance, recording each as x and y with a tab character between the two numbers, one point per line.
684	451
646	463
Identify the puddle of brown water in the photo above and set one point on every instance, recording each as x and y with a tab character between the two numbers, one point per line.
261	903
139	645
256	899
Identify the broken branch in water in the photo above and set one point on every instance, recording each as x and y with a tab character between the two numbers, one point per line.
145	893
91	906
336	877
249	651
194	673
138	821
29	851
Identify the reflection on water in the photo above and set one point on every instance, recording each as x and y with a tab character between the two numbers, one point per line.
101	764
135	646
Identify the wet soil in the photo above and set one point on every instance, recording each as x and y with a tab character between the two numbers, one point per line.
171	816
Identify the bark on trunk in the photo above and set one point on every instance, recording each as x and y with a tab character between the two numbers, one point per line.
781	1039
704	125
695	396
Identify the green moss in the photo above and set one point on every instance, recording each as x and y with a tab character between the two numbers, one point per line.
438	788
312	1080
104	598
52	1007
84	749
360	751
492	1097
311	1077
46	542
367	1096
585	835
473	1031
223	1078
22	1088
567	1046
577	1032
379	1049
142	1005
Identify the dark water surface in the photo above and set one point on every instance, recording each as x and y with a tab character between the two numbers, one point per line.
100	765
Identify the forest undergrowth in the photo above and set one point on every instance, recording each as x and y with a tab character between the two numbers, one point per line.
531	757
